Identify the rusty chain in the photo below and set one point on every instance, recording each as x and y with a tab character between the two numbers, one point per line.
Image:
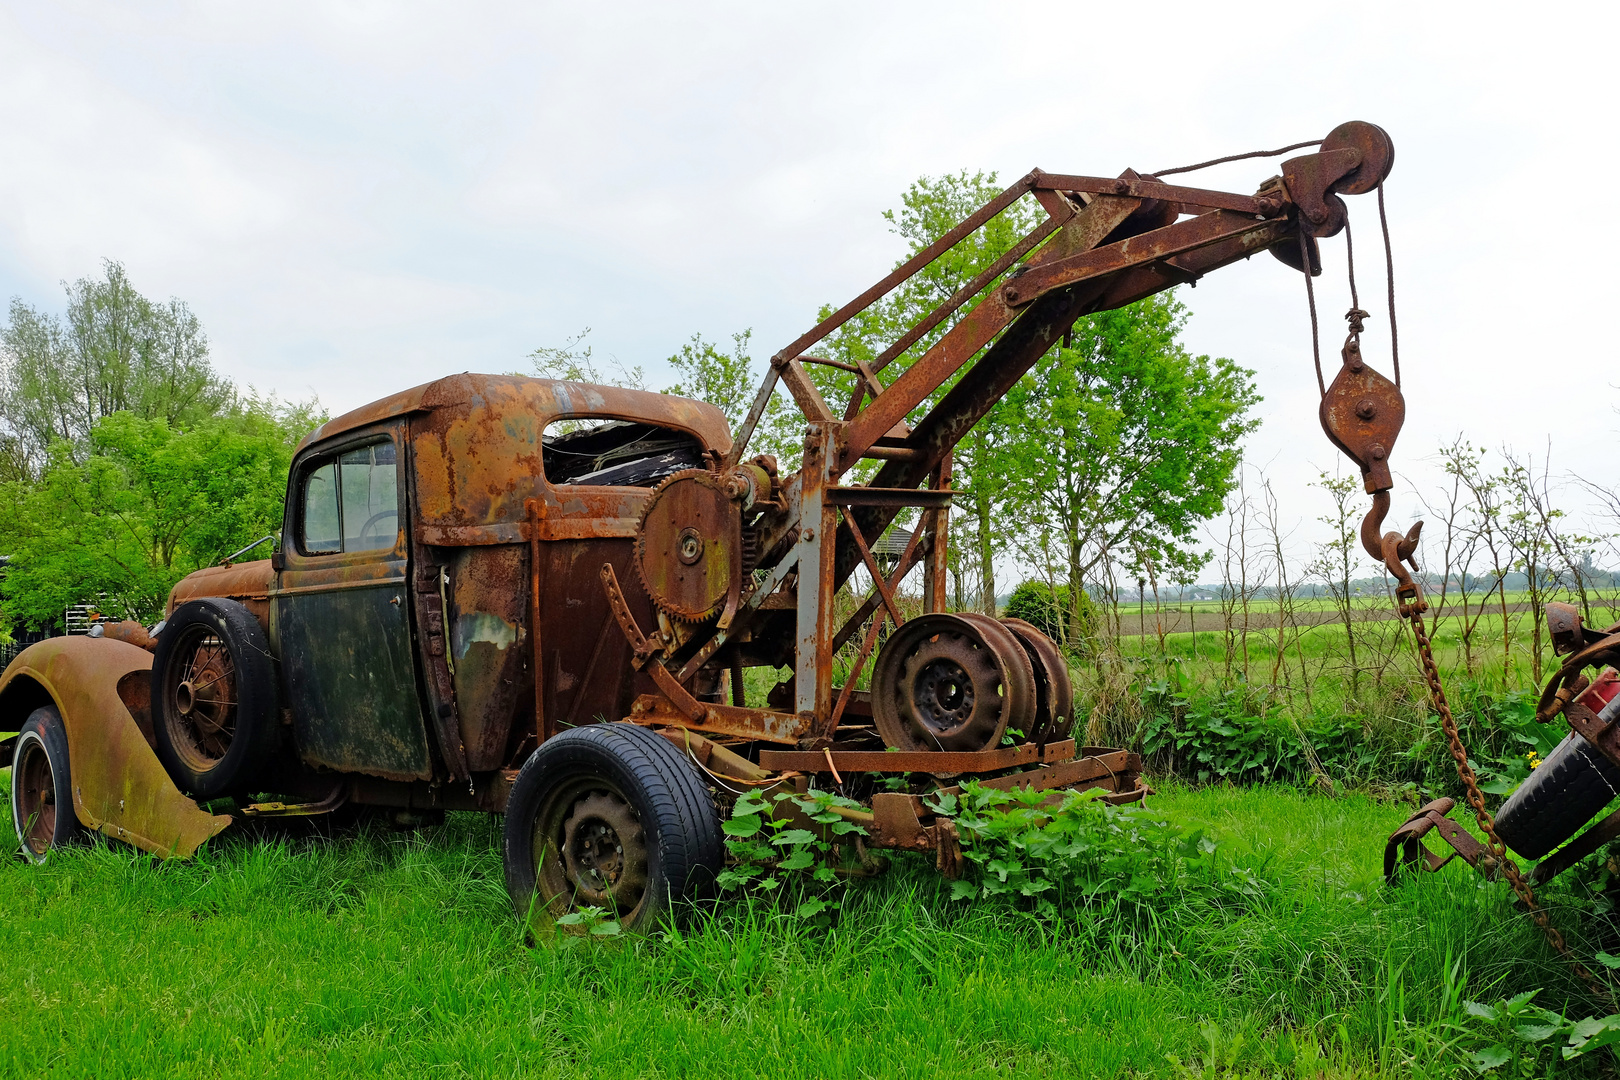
1411	606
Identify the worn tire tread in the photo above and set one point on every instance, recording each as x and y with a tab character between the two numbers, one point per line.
1566	791
689	842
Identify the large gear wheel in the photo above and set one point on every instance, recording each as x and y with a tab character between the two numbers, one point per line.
689	546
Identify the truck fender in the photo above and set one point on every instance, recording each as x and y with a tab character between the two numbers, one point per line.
120	789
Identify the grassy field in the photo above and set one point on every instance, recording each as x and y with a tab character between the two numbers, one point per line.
385	954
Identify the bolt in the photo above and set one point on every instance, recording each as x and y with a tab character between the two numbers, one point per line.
1366	408
1377	452
1317	215
1012	295
807	534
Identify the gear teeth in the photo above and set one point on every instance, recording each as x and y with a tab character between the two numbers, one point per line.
674	611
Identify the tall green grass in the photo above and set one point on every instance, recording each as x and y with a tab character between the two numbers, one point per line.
384	954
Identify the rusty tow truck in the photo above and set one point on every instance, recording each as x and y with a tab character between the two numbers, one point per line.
538	598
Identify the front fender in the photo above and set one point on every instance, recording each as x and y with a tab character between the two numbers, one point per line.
119	786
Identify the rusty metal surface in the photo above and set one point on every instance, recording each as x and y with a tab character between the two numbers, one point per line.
247	583
1405	851
951	683
689	546
1362	413
119	787
891	761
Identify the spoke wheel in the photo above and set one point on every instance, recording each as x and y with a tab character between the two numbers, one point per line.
41	785
214	699
36	798
200	690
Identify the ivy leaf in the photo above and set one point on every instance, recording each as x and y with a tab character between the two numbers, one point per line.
963	889
794	836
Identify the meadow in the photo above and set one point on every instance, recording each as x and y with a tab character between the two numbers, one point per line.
387	954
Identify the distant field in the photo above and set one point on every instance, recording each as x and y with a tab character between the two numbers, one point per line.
395	955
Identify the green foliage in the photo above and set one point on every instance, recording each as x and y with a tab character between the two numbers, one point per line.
1124	443
766	837
728	381
591	921
113	351
146	505
1049	609
1083	851
572	361
1517	1038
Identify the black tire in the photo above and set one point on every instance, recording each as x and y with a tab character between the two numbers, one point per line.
41	788
1566	791
214	698
604	785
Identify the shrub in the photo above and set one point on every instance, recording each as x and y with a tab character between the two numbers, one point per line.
1047	607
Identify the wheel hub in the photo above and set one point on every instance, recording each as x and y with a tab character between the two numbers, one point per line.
604	853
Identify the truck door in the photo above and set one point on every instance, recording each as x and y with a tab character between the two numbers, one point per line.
340	611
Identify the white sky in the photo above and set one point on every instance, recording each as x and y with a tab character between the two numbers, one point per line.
357	197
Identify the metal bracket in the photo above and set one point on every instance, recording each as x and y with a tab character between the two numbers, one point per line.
1405	849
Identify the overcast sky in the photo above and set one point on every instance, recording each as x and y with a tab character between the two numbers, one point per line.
358	197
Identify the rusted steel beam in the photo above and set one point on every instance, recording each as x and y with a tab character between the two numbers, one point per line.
1171	240
871	496
972	288
1104	770
1604	736
805	394
959	345
878	580
936	585
1577	849
1153	189
969	225
765	725
891	761
908	558
1405	850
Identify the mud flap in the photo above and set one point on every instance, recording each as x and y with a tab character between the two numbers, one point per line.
120	788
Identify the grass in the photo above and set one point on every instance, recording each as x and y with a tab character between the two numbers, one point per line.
386	954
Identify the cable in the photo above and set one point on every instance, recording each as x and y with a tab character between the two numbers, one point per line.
1389	270
1310	295
1236	157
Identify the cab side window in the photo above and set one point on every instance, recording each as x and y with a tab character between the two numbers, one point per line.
350	502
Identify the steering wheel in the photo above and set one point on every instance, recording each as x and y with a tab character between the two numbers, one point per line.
365	530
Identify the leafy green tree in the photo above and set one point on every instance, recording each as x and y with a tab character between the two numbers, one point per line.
1124	443
145	506
573	361
728	380
113	350
931	207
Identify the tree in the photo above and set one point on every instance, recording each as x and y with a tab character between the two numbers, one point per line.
112	351
1125	442
572	362
729	381
146	505
931	207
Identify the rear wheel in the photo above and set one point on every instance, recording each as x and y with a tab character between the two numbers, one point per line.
609	816
214	698
41	787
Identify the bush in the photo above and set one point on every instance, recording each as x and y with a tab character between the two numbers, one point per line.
1083	851
1047	607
